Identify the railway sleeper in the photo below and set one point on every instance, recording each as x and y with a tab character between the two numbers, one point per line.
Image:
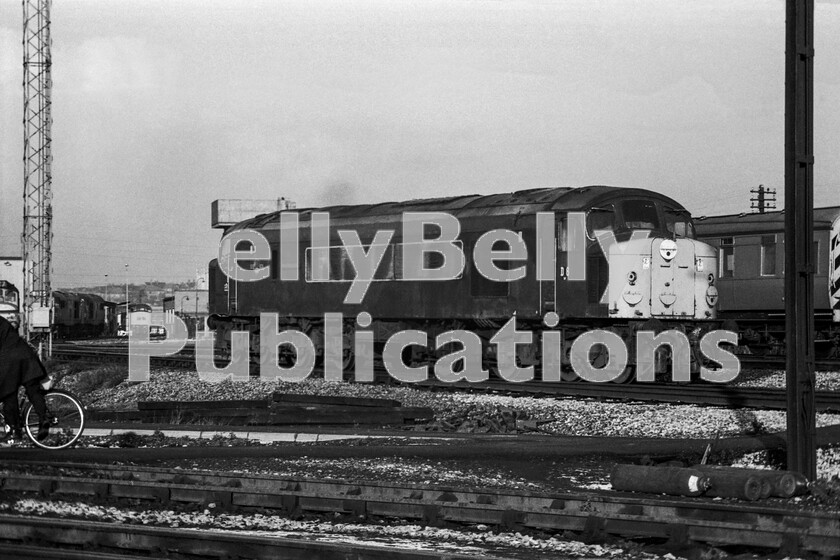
221	499
744	526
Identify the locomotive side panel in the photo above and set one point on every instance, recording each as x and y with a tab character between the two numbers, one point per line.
389	295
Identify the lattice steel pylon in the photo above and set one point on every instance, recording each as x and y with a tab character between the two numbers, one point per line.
37	175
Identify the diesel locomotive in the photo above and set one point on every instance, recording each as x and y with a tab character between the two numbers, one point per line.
624	259
74	315
78	315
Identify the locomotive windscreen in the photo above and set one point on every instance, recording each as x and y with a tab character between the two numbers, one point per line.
640	214
8	294
679	223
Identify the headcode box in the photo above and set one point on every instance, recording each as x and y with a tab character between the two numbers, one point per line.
227	212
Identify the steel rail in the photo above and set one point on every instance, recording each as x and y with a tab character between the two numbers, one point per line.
55	536
593	514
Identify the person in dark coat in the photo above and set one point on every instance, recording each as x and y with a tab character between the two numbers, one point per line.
20	365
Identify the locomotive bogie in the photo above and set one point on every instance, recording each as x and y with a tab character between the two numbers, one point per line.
289	354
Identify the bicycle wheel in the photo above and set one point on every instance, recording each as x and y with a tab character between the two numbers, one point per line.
66	416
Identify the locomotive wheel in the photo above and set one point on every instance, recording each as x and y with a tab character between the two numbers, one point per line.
569	376
567	373
288	354
626	375
599	356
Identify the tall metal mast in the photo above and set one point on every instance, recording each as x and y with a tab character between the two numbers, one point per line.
799	237
37	176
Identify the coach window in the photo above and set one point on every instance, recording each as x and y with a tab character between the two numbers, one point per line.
727	257
398	260
479	285
768	255
433	260
341	268
385	271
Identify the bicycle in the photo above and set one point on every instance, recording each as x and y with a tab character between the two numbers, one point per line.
65	413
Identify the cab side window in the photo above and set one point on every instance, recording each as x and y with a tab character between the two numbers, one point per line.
768	255
600	218
726	257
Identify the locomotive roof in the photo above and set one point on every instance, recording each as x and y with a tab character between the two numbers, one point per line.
76	295
755	223
526	201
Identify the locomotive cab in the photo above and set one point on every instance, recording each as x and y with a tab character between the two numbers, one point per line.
647	263
663	278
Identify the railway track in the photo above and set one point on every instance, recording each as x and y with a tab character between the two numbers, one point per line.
47	539
117	349
593	515
700	394
778	362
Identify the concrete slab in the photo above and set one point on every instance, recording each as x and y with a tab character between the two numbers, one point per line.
262	437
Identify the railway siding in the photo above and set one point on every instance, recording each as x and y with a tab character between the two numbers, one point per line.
602	513
728	395
140	541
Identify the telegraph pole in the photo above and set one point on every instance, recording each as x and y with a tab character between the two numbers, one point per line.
765	199
799	235
37	175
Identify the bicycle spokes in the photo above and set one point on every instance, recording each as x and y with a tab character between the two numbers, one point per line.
65	420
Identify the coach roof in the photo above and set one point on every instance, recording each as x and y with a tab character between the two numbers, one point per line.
757	223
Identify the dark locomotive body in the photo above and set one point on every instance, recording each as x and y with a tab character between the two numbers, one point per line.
77	315
674	292
751	279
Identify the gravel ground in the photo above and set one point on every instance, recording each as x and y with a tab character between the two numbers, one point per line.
540	476
586	473
775	379
453	411
470	412
478	541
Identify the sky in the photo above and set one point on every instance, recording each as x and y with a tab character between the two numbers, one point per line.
161	107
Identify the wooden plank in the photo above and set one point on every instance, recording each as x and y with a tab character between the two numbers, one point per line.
330	400
283	415
184	405
116	415
346	416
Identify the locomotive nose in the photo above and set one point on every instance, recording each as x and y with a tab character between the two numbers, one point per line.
668	249
711	296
